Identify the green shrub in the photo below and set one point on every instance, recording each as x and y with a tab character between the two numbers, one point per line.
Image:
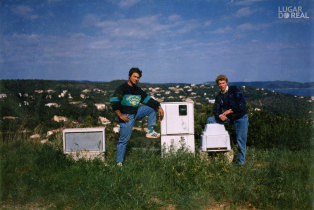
268	131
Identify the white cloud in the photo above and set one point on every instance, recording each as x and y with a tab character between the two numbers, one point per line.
252	27
53	1
174	17
207	23
139	28
188	26
247	26
90	20
24	11
243	12
34	48
224	30
247	2
128	3
144	28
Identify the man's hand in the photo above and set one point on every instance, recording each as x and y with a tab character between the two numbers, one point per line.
160	113
124	118
121	116
223	117
228	112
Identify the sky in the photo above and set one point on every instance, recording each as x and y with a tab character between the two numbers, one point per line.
180	41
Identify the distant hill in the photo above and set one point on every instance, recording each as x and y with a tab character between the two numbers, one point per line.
272	84
15	93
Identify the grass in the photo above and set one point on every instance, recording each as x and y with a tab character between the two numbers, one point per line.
41	176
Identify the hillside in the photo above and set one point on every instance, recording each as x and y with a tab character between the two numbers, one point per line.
46	105
272	84
100	92
35	172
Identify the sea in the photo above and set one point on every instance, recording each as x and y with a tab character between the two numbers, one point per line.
297	91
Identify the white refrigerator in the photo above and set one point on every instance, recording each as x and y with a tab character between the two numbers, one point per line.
177	127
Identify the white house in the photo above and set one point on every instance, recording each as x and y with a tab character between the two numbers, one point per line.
63	94
104	120
3	95
39	91
59	118
52	104
50	91
100	106
116	129
86	91
98	90
9	118
189	100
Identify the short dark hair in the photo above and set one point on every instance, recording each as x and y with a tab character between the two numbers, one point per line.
222	77
135	70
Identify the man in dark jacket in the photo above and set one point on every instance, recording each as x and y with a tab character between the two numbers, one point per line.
125	102
230	107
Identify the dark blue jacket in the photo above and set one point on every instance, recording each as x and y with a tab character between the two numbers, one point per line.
232	99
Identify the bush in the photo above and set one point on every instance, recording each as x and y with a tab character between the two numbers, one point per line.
267	131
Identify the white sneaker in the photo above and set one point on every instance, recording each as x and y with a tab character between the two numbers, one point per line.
119	164
153	135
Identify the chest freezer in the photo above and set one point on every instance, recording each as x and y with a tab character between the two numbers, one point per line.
215	138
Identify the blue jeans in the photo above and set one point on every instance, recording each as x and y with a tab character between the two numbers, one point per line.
126	128
241	128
